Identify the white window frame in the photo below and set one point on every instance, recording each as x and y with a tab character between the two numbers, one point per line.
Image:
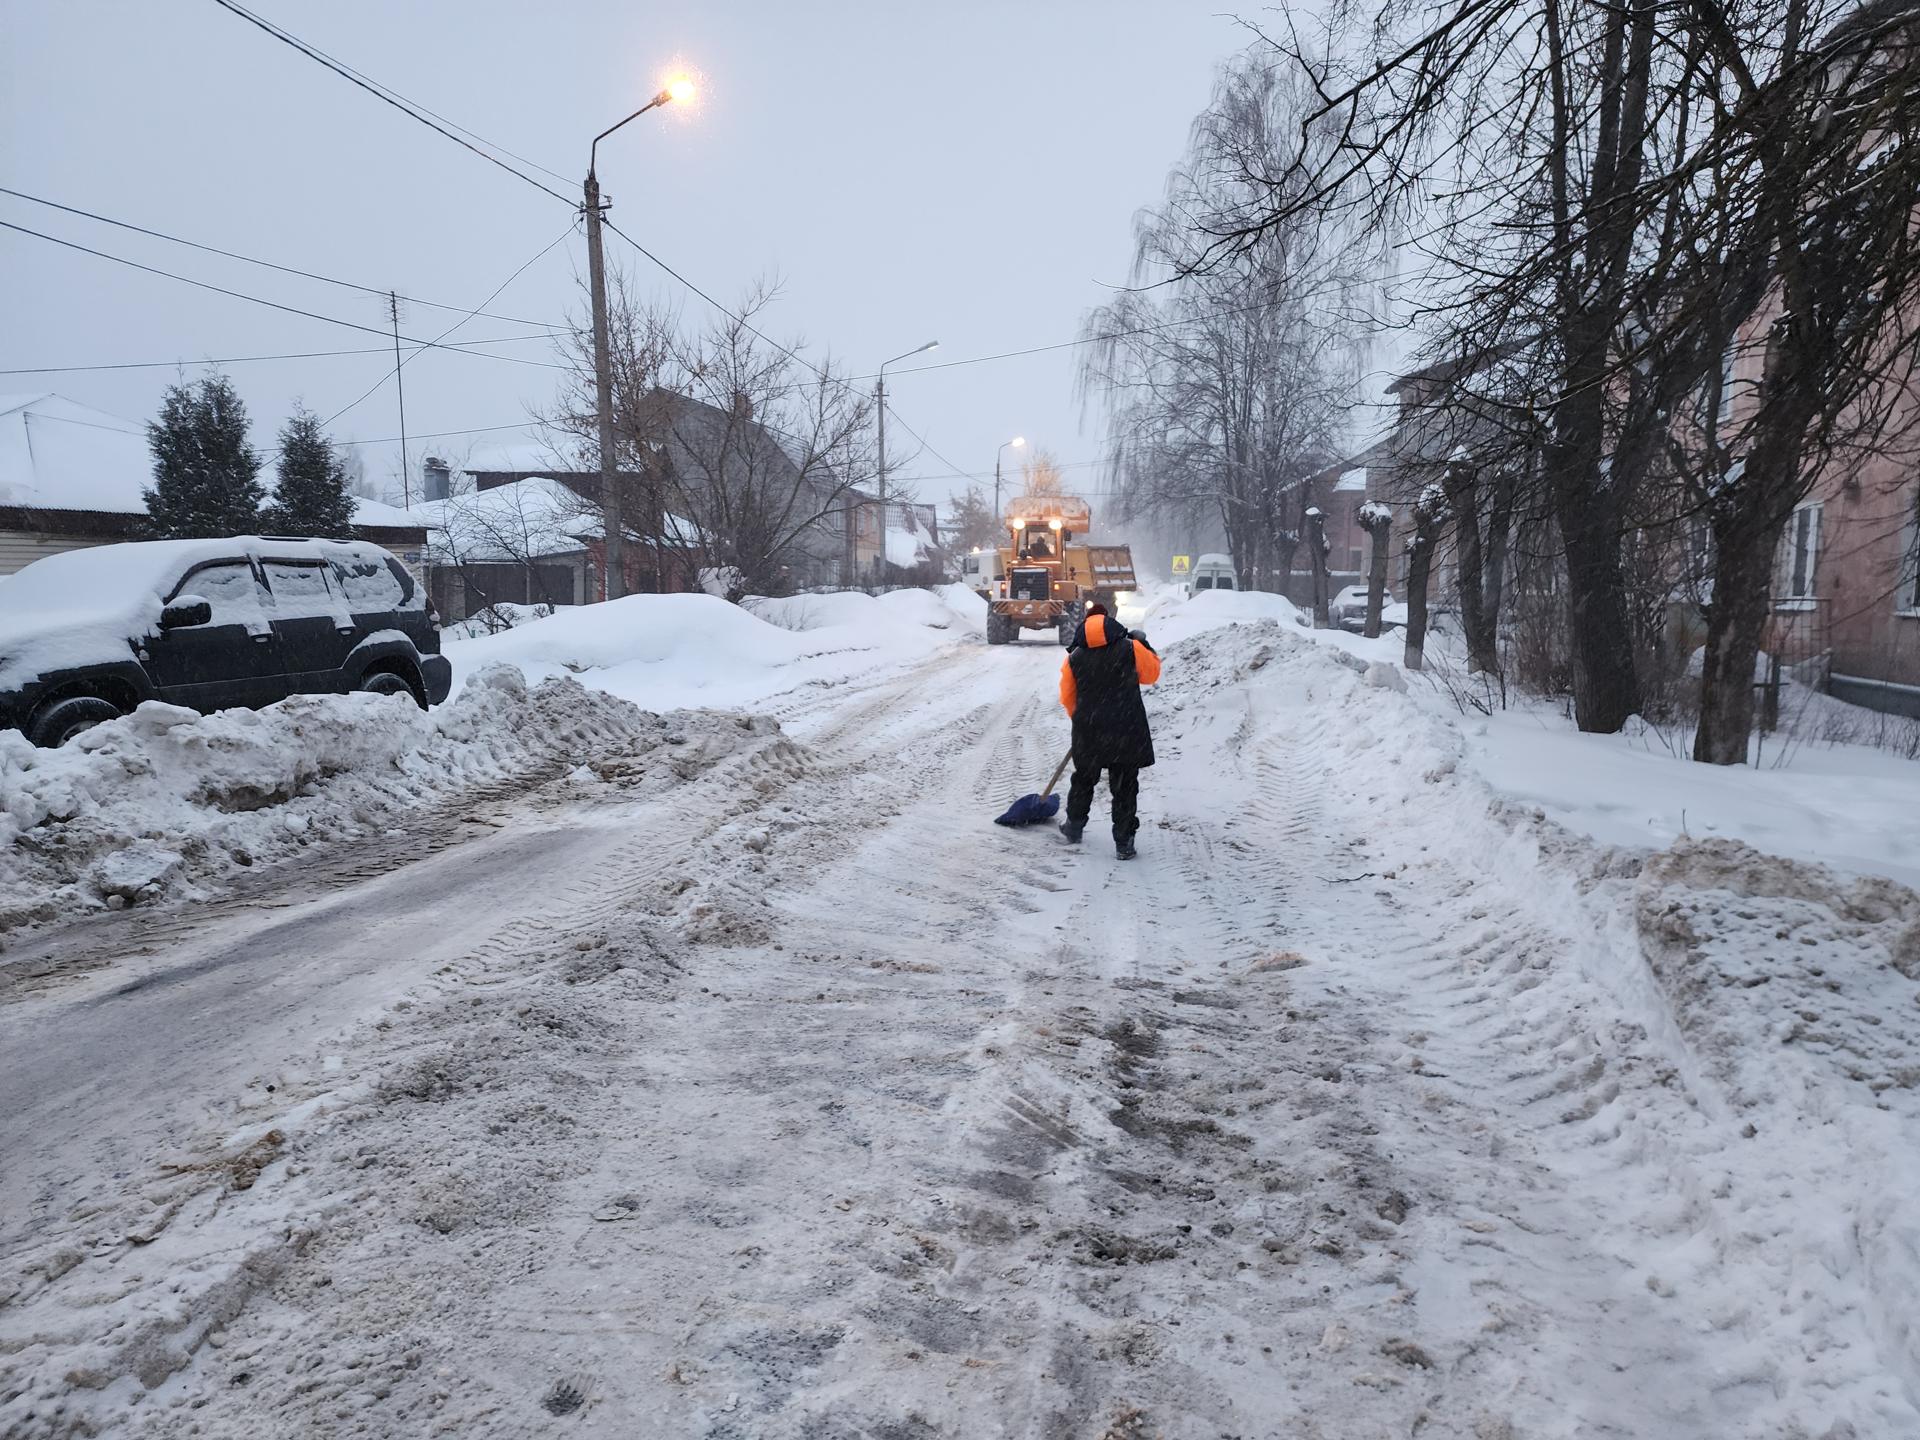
1807	597
1729	361
1906	590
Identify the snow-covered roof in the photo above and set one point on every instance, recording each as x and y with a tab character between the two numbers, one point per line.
512	455
905	549
1351	480
56	454
519	521
527	518
378	512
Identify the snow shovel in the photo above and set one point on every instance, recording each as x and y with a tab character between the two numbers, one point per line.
1032	809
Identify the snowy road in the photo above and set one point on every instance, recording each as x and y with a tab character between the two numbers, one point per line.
799	1100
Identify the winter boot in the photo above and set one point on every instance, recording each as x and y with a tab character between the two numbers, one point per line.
1123	847
1072	829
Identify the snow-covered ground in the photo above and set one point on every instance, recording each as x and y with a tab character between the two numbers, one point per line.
757	1085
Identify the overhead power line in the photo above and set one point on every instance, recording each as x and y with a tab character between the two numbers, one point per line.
396	99
401	362
443	434
252	359
378	290
259	300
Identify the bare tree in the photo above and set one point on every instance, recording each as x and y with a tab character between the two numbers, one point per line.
1040	473
1226	386
1377	520
1429	515
736	449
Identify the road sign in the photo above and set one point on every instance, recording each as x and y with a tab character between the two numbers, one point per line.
1182	564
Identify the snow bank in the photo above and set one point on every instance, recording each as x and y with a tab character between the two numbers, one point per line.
667	652
1729	1042
941	609
1847	805
165	801
1850	806
1174	617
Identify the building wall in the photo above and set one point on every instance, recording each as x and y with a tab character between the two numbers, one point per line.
1865	567
20	548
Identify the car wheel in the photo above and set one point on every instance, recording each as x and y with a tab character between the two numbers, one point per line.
385	682
59	722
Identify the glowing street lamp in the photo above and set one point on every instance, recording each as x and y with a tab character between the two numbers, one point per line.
1016	442
680	88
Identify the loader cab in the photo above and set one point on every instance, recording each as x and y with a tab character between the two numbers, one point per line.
1042	543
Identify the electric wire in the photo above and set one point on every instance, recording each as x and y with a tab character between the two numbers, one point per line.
438	339
380	291
261	300
254	359
390	96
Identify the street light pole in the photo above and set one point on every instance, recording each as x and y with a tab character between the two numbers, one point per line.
614	582
1016	442
880	404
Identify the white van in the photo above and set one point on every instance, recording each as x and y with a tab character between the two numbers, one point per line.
1212	572
982	572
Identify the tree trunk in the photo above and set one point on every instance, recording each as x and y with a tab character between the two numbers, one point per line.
1606	690
1379	537
1736	622
1506	487
1463	499
1317	557
1419	567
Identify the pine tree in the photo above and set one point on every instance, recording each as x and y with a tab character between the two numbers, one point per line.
974	525
311	497
206	481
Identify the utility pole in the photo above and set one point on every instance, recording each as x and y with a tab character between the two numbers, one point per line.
880	403
593	208
400	384
613	581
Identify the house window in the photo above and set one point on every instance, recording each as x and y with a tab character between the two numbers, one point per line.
1725	412
1906	598
1800	562
1699	552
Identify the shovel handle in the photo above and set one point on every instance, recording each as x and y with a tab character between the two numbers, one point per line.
1058	771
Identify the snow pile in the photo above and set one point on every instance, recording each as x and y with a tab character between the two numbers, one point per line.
666	652
165	800
1798	992
1176	617
492	619
1718	1050
950	607
1848	806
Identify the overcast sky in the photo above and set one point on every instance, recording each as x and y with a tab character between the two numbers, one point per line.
964	171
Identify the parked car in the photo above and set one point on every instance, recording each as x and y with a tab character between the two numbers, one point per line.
87	635
1348	609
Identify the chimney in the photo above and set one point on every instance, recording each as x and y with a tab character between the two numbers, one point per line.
439	478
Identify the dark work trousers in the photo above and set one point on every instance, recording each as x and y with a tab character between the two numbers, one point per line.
1124	784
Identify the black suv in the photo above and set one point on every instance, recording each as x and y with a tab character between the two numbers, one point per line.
87	635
